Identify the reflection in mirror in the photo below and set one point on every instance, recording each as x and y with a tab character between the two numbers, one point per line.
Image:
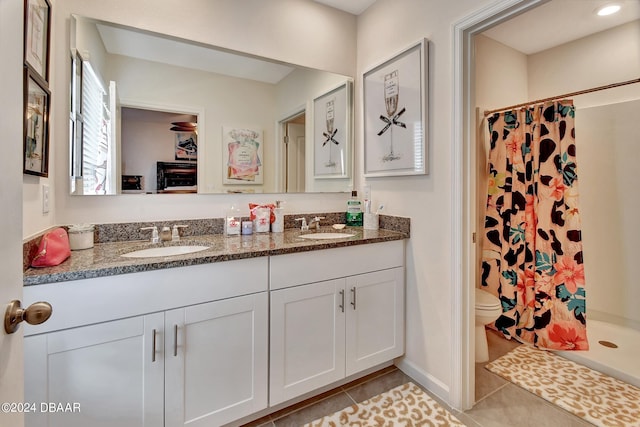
159	151
294	156
147	82
92	131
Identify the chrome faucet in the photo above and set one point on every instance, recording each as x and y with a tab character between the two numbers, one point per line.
316	222
303	225
175	234
165	234
154	233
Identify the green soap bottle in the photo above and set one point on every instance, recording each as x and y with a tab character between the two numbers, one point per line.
354	210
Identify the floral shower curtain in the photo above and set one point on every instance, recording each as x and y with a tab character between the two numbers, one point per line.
532	245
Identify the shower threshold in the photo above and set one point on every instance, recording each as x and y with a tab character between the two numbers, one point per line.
616	356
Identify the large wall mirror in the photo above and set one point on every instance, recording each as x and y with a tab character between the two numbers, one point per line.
156	114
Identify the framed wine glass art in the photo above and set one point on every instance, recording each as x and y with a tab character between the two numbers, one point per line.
395	99
331	135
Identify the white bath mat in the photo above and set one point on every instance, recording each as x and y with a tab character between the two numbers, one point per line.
588	394
406	405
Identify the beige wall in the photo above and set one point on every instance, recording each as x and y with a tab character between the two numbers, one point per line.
385	29
502	74
600	59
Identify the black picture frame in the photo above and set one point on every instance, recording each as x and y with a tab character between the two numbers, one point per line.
36	103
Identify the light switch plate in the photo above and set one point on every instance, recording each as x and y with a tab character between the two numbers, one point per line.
45	198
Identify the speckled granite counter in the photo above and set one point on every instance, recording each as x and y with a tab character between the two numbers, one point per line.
104	258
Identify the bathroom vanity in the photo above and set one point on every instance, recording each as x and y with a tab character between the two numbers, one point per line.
334	313
212	337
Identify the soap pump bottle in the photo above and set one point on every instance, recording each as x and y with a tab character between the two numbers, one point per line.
277	226
354	210
232	221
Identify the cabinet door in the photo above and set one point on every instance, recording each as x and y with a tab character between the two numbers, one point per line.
105	374
216	361
307	339
375	319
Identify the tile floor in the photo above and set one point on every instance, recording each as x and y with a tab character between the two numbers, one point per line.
499	403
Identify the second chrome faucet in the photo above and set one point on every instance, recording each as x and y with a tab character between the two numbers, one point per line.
315	222
166	234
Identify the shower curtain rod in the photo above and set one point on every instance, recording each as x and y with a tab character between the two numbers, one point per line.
566	95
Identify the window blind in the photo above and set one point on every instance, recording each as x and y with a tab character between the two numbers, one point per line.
95	119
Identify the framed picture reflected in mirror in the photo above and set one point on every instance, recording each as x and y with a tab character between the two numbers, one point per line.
331	133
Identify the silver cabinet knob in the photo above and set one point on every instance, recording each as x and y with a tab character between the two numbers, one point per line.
35	314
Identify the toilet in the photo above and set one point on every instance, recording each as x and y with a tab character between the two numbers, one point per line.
488	309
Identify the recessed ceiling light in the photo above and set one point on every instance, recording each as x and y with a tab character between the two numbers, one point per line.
608	9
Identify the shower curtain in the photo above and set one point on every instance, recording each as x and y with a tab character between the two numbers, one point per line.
532	245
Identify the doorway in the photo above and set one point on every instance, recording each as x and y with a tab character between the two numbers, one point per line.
152	138
293	139
464	205
467	167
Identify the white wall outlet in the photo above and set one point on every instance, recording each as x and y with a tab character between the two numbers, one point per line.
45	198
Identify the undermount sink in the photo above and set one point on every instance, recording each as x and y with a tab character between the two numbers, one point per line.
164	251
326	236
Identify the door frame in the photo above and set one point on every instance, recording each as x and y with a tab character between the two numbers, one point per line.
281	163
463	186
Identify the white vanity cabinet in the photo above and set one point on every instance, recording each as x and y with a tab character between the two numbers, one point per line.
106	370
215	361
186	362
334	313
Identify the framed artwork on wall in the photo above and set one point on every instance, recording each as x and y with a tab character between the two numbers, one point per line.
186	146
37	19
395	99
242	152
331	135
36	125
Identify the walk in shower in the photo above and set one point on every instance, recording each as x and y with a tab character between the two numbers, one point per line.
608	144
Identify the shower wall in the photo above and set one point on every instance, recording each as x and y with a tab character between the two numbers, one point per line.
608	160
608	155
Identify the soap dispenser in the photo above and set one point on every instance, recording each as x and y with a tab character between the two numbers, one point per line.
232	221
277	226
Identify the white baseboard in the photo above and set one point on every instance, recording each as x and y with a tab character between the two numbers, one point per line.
425	379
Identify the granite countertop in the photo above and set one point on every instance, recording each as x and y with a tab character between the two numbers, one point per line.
104	258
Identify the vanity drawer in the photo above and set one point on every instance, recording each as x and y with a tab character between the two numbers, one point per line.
87	301
315	266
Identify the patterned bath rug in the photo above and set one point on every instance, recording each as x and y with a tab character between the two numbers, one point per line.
597	398
406	405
